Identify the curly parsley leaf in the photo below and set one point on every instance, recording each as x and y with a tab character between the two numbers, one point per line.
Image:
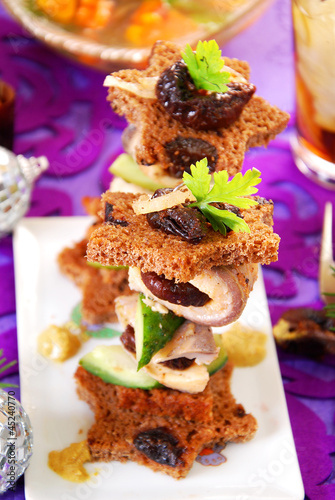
205	66
240	185
200	180
232	192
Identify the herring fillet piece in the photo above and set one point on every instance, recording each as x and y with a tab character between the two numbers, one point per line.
190	341
227	286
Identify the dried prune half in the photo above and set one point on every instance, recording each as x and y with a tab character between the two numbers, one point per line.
185	151
159	445
186	222
161	192
128	339
184	294
109	216
178	363
200	109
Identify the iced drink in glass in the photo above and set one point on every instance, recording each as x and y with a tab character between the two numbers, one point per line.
314	36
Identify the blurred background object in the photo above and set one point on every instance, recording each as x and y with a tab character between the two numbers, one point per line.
114	34
16	440
17	175
7	101
314	36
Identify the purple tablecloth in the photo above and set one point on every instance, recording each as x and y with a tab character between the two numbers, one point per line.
62	113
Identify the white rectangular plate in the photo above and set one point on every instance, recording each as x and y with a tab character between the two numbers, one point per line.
264	468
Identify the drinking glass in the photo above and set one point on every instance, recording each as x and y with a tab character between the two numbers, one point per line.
314	38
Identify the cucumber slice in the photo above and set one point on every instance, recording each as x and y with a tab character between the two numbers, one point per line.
100	266
152	331
113	365
125	167
222	359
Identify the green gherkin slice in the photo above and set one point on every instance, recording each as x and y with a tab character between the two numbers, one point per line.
153	330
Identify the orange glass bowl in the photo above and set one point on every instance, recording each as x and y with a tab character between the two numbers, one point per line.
115	34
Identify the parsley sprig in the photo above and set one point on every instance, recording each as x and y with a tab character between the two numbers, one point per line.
223	191
205	66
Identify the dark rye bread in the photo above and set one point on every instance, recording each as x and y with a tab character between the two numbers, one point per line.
134	243
258	124
112	435
100	287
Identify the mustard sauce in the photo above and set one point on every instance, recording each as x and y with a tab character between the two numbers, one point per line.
244	346
68	463
58	343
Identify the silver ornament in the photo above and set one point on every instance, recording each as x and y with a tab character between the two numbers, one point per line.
17	175
16	440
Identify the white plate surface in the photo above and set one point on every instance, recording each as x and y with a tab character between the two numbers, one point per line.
264	468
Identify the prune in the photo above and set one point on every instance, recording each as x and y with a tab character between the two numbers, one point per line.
178	363
199	109
128	339
110	219
263	201
159	445
186	222
161	192
184	294
185	151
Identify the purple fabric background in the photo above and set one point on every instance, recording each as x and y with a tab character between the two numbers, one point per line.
62	112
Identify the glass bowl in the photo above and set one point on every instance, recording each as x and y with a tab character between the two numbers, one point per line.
115	34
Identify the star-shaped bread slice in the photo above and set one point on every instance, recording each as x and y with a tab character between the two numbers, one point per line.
99	286
113	435
158	142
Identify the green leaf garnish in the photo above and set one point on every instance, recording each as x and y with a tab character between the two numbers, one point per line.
97	331
205	66
232	192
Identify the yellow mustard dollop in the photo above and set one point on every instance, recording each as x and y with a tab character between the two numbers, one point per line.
58	343
68	463
244	346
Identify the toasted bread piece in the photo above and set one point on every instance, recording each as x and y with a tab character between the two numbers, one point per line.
258	124
73	264
100	287
131	241
112	435
91	205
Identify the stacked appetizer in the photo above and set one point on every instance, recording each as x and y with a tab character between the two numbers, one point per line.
184	107
192	248
163	394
